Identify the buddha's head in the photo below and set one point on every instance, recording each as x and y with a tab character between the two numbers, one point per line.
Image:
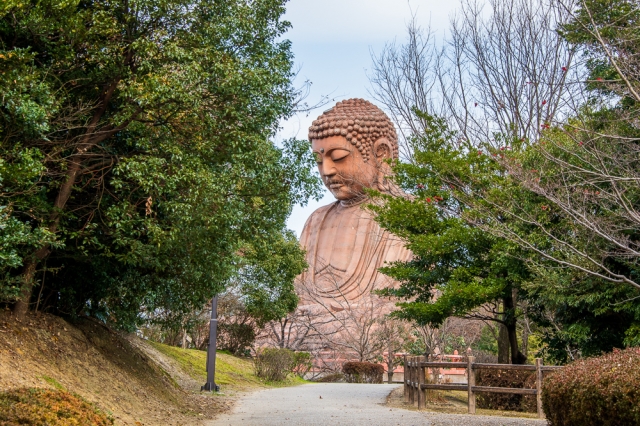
352	143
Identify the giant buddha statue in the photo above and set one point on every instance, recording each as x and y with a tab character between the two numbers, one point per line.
353	143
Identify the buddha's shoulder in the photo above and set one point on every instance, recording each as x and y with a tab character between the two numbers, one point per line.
320	213
315	219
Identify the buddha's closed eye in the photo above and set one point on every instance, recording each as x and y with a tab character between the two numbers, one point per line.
339	154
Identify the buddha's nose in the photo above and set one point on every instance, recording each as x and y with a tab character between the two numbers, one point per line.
328	168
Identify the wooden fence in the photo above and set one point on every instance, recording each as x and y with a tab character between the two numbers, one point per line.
415	384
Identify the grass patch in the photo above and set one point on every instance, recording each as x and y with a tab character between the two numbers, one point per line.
34	406
53	382
232	372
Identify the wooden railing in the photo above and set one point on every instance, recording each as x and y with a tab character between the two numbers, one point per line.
415	383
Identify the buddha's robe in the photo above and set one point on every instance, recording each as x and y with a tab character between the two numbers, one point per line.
345	247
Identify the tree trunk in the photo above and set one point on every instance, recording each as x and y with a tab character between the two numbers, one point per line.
390	364
503	344
525	337
21	307
510	323
516	356
89	140
283	330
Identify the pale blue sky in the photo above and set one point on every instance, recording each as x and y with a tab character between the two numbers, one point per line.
332	41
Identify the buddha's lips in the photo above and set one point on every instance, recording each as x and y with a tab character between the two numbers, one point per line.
335	184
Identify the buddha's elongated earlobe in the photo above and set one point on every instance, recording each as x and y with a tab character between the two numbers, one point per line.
383	152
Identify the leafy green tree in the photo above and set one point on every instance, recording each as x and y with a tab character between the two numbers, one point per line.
19	174
466	222
266	278
145	127
459	269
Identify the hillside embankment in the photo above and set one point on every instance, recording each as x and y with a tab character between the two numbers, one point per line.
133	381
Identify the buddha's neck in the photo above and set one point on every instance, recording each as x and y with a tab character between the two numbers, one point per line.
351	202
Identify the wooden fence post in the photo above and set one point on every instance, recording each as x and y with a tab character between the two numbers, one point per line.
414	379
410	380
420	370
405	375
425	381
539	387
471	382
411	392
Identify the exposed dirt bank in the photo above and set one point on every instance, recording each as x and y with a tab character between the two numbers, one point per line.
121	374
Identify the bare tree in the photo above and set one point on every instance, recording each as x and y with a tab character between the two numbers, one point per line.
393	335
433	337
297	331
588	168
353	325
502	73
348	324
405	78
506	74
436	339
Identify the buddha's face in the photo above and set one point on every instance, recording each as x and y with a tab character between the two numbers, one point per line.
342	168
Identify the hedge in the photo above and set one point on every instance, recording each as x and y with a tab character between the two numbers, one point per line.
506	379
602	391
362	372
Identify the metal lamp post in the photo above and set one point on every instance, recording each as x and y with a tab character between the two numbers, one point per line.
211	350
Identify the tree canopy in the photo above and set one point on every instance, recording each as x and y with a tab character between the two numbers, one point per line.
138	168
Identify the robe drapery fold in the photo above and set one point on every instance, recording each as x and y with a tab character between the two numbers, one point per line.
345	247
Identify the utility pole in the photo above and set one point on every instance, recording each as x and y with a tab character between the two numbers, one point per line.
211	350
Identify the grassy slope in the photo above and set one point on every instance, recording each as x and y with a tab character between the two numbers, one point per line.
115	372
231	372
101	366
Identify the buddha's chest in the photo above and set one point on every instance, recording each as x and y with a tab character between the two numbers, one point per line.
341	239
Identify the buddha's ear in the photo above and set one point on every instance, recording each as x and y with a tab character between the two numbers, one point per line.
382	150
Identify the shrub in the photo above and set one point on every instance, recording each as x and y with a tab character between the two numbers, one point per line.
235	338
274	364
603	390
506	379
302	363
362	372
331	378
48	407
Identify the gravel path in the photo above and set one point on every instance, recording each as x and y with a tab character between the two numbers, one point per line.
343	404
